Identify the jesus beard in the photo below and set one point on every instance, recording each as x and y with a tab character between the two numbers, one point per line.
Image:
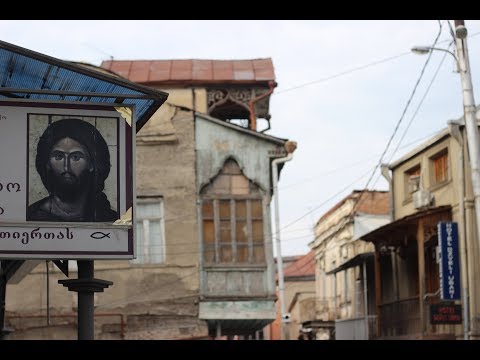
69	187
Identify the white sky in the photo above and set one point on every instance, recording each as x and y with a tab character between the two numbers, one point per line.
342	124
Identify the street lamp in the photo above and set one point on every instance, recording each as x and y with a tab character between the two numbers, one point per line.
422	50
469	109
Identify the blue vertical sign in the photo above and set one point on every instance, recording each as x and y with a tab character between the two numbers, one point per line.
449	261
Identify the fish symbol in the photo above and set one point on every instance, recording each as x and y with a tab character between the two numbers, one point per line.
100	235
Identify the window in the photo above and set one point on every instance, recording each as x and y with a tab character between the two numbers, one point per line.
232	219
412	181
150	232
439	166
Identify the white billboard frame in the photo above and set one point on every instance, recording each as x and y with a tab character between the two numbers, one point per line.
98	234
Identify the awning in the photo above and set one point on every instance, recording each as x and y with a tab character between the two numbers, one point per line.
407	224
355	261
26	74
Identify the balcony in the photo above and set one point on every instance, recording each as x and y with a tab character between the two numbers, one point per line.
400	317
354	328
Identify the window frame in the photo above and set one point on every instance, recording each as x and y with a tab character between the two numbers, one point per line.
249	218
146	258
443	153
413	171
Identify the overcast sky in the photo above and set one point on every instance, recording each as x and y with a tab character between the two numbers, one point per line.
342	88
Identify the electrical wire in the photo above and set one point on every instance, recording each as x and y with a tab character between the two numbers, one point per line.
342	73
358	68
326	201
418	107
399	120
349	166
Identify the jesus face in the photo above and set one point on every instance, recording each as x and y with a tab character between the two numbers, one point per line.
70	165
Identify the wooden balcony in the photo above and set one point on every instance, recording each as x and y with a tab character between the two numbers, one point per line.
401	317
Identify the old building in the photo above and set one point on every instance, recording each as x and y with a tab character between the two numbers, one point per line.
299	297
429	184
344	266
204	263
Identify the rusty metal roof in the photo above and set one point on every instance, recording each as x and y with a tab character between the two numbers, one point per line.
303	267
193	71
26	74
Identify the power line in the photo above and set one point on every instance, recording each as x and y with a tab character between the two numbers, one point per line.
348	166
326	201
341	191
399	120
413	116
258	241
390	140
342	73
418	107
358	68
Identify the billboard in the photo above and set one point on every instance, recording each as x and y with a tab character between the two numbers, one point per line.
449	261
66	181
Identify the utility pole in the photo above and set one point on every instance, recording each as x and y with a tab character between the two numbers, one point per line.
471	126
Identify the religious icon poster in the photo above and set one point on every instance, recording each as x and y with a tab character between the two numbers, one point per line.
66	183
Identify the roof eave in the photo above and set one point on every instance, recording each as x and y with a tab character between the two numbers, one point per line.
159	97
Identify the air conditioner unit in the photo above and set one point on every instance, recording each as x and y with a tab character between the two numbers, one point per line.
422	198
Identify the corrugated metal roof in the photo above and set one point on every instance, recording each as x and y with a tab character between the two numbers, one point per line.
25	74
193	71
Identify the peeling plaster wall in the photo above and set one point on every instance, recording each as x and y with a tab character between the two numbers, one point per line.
155	301
251	153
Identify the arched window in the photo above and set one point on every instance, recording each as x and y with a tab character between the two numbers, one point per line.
232	219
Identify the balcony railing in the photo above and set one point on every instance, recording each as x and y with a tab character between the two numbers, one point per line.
354	328
400	317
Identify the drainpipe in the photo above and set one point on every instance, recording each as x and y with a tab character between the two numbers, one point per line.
454	129
253	119
290	146
365	298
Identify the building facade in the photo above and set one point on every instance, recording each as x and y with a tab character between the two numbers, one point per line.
299	297
430	184
204	261
344	267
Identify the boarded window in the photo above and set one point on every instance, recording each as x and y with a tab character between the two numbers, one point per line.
439	165
232	212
